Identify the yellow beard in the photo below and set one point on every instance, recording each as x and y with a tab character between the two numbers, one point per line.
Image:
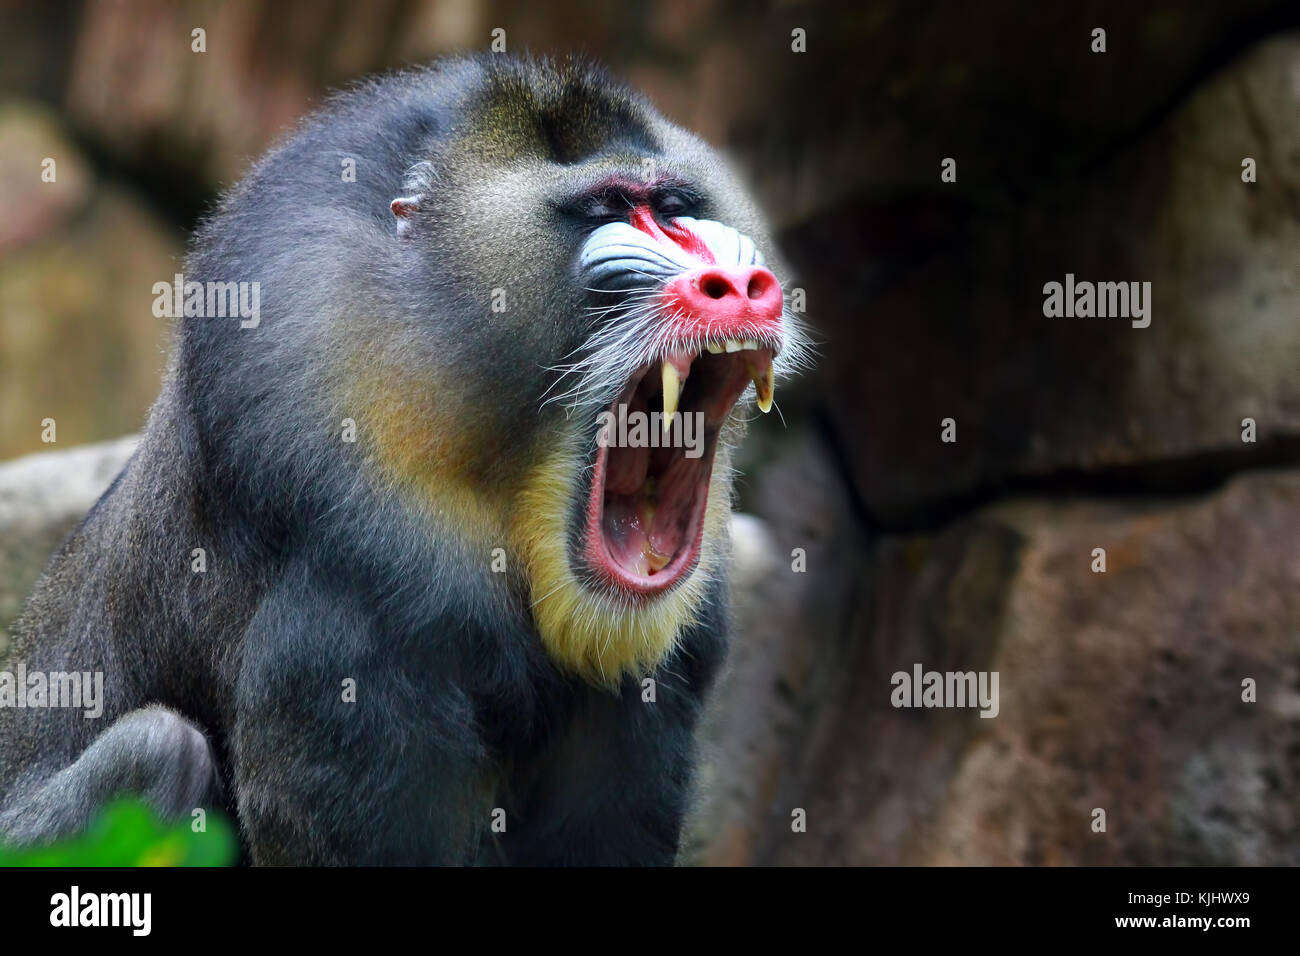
417	443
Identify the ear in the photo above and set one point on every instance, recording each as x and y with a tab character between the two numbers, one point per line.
404	207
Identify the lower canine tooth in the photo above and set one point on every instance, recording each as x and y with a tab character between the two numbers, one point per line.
654	559
764	387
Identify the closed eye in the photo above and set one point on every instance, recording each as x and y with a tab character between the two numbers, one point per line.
672	205
607	205
614	203
605	211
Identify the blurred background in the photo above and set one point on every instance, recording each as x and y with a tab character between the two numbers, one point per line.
1120	690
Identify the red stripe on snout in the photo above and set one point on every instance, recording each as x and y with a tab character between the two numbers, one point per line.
644	219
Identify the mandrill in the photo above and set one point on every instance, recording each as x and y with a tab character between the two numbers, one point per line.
379	581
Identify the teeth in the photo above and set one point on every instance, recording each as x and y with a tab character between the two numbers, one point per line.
764	386
764	381
731	345
653	559
672	390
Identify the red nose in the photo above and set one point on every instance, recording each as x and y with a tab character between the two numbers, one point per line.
714	300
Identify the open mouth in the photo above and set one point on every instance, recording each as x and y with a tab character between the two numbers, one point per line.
650	487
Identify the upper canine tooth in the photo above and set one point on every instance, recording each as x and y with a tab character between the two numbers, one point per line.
749	344
672	389
713	347
764	386
733	345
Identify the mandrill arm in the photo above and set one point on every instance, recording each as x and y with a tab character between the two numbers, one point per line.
353	745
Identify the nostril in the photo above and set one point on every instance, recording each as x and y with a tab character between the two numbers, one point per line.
760	283
715	286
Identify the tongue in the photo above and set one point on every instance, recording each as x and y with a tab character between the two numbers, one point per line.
625	526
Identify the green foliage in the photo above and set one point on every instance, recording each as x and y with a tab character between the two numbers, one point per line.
129	833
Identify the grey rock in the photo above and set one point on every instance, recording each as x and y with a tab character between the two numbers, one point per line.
1120	691
42	497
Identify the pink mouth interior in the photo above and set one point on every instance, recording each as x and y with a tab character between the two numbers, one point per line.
645	516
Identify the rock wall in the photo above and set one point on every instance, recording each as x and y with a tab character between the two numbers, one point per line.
1163	690
1120	690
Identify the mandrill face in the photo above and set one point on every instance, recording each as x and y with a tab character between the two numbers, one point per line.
699	320
589	308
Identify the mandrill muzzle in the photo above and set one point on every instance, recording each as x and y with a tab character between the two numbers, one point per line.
709	314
